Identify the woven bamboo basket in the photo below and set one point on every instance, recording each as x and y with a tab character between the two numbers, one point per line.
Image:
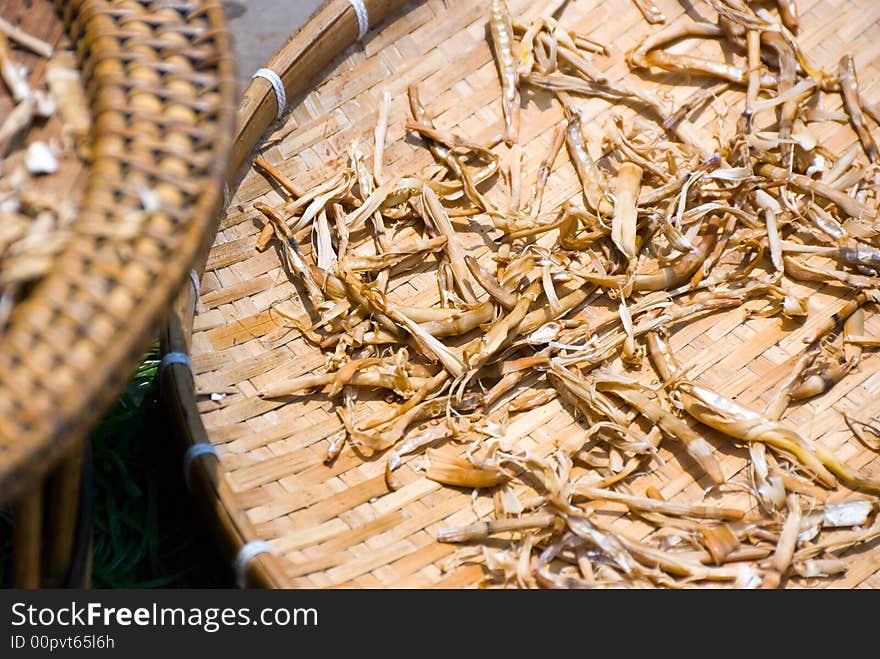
160	87
256	464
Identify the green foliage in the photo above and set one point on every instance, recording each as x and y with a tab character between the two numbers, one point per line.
146	530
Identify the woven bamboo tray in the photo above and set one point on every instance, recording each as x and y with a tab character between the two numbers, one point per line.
339	525
160	85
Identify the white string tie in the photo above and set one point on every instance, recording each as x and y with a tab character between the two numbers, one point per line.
277	85
196	281
363	19
196	450
245	555
170	358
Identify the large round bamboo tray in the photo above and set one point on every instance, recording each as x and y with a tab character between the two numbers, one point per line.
256	464
160	84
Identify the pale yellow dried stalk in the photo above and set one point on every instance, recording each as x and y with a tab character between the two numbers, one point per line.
29	41
458	472
623	222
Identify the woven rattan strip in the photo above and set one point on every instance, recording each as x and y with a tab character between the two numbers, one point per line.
339	525
50	507
161	87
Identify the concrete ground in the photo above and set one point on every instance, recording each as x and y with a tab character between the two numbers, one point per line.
260	27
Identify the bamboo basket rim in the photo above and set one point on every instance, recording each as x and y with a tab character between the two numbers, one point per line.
43	419
256	115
